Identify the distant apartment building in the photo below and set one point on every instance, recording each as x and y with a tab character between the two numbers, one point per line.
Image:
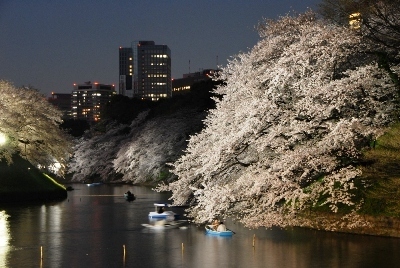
151	76
183	85
89	98
63	102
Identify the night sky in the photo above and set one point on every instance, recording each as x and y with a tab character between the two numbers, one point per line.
51	44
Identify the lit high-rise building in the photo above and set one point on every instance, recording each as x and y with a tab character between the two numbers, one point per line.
151	77
125	71
89	98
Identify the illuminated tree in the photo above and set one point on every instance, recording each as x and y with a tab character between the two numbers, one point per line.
93	157
155	144
137	153
30	127
142	150
287	136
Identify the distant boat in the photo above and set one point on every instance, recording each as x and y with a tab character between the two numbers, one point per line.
211	231
69	188
94	183
162	212
129	196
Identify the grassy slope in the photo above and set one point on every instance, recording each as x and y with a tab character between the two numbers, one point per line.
381	169
23	182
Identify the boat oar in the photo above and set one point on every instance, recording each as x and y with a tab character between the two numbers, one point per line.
231	231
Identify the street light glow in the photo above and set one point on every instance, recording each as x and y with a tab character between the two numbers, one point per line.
3	139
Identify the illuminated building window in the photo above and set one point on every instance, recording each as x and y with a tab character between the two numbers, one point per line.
355	20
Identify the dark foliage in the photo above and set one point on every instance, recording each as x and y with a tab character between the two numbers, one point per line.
377	21
199	97
75	127
123	109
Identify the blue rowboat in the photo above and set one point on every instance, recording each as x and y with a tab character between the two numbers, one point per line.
211	231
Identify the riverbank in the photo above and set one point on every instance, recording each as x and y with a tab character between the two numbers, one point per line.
380	226
367	225
21	182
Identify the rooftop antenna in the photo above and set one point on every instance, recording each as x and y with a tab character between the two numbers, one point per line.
189	66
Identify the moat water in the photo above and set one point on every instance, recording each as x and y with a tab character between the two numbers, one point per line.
96	227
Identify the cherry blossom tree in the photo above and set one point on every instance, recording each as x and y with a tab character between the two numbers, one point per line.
93	157
145	157
30	127
297	111
137	153
142	150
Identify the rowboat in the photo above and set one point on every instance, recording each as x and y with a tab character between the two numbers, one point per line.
211	231
129	196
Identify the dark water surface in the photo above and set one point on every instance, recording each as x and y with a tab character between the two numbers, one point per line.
96	227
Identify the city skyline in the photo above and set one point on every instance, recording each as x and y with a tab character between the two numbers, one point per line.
52	45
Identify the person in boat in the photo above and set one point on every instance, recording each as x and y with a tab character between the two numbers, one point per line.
129	193
221	227
160	210
215	224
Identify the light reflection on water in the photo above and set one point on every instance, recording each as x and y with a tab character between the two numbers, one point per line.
4	237
51	223
96	227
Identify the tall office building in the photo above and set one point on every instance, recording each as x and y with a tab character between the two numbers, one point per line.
125	71
89	98
151	77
